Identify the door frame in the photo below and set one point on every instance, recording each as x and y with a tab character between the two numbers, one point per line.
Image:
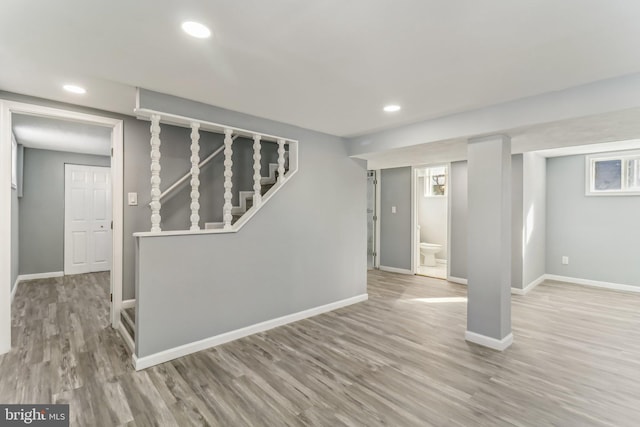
67	167
7	109
415	253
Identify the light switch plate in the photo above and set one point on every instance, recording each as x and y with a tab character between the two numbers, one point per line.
133	199
393	209
565	260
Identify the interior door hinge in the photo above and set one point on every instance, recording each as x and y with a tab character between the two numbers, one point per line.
111	297
111	151
375	218
375	182
112	225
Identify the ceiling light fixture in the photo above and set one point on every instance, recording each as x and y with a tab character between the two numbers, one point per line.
391	108
74	89
196	29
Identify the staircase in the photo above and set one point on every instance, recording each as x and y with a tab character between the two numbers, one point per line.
233	217
246	197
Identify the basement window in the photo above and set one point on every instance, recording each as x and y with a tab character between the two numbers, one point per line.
613	174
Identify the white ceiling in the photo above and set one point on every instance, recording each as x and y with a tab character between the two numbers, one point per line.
60	135
327	65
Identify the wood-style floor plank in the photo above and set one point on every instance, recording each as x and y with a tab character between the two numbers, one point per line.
398	359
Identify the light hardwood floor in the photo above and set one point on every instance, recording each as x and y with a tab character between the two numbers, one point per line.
398	359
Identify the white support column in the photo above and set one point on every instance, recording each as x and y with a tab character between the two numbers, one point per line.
155	173
280	161
228	173
195	176
257	176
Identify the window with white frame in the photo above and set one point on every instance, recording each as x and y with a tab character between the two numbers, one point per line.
435	181
611	174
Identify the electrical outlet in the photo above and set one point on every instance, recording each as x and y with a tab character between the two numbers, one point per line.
565	260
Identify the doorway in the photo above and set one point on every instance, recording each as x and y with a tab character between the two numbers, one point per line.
431	221
10	110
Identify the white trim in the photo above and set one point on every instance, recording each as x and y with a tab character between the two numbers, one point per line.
415	239
395	270
457	280
7	108
128	303
378	211
182	121
489	342
127	338
593	283
34	276
529	287
15	288
183	350
441	261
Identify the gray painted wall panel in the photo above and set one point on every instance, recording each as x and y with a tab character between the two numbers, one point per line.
41	208
305	248
516	220
534	217
395	229
459	218
600	235
15	224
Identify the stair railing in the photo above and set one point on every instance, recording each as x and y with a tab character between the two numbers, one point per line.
274	181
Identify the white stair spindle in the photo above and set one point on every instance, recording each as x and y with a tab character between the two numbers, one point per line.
195	176
155	173
280	161
257	176
228	173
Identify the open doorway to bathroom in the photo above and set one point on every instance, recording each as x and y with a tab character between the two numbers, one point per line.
431	220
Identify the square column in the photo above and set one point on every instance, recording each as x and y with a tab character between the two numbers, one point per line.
489	247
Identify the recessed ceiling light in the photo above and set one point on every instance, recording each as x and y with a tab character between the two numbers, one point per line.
74	89
196	29
391	108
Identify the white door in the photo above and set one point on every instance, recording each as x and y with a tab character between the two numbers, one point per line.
87	219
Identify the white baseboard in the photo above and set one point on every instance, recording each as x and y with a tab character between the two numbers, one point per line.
593	283
530	286
128	303
395	270
183	350
489	342
127	338
457	280
15	288
24	277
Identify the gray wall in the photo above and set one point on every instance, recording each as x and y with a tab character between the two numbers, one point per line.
15	267
534	196
459	218
459	211
41	208
600	235
305	248
516	220
395	229
432	219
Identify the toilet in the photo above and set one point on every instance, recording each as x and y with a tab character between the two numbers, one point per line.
429	251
